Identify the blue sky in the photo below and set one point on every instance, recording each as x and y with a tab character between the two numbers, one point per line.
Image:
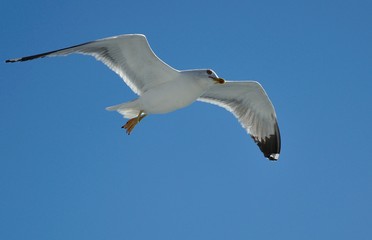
68	171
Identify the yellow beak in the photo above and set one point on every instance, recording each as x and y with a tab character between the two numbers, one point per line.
218	80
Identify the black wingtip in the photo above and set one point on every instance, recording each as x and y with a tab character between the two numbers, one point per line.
23	59
11	60
271	145
41	55
273	157
18	60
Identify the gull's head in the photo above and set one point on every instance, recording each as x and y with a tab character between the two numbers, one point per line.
205	77
212	75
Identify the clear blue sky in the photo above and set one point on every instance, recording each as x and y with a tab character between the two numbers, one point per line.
68	171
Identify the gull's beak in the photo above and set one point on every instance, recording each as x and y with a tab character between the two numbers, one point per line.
218	80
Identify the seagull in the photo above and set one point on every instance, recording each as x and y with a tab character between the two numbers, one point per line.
163	89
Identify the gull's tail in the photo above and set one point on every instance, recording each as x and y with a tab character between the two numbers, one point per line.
127	109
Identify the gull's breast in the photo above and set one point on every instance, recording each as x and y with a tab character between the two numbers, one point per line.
171	96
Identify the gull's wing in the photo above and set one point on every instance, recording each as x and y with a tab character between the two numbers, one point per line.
251	105
130	56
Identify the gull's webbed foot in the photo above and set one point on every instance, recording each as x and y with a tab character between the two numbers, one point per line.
129	126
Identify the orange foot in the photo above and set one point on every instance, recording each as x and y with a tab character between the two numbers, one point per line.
129	126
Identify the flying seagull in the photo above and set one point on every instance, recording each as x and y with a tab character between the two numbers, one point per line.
163	89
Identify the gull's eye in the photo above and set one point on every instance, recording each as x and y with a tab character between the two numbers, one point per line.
209	72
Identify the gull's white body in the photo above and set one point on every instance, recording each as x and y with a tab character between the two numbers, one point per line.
163	89
166	97
173	95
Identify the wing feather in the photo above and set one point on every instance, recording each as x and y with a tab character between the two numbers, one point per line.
130	56
250	104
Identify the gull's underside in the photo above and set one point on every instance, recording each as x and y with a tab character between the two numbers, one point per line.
131	57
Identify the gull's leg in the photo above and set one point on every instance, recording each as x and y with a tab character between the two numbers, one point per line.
129	126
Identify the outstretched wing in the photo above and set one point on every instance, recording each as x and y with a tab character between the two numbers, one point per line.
130	56
251	105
